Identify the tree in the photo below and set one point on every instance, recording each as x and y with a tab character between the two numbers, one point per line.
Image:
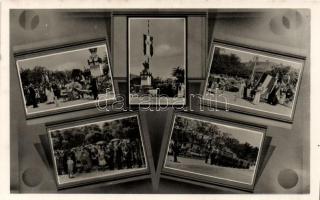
178	72
230	64
76	74
33	76
59	75
278	70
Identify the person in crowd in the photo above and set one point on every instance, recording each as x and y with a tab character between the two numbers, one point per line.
245	91
86	160
83	81
217	158
94	156
138	152
110	156
37	95
27	95
175	150
94	88
101	157
64	155
289	94
222	85
242	86
282	96
32	94
128	154
273	98
215	86
49	94
59	161
252	90
134	154
78	153
258	92
70	164
212	156
119	155
56	93
207	152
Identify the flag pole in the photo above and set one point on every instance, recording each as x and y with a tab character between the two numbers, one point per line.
254	68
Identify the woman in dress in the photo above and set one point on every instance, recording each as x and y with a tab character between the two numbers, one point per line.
49	94
70	164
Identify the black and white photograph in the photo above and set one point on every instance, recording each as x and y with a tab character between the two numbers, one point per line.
253	81
98	150
158	98
65	79
214	150
157	61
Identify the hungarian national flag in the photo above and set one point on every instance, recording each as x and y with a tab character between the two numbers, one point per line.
148	45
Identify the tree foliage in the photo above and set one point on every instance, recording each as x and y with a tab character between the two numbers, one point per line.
178	72
126	128
200	132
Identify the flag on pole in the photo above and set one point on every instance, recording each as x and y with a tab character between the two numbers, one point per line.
148	45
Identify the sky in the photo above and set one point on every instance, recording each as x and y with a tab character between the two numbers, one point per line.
247	56
168	45
243	135
69	60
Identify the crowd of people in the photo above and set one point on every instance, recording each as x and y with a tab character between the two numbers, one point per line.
224	158
116	155
41	85
217	156
55	91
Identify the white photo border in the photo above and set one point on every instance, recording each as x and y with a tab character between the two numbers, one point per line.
219	124
62	52
90	180
255	52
